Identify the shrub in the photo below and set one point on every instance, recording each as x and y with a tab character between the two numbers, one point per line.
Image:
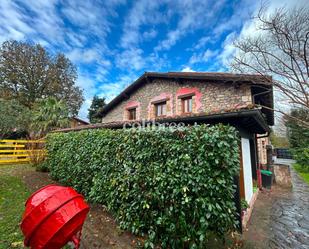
301	155
173	186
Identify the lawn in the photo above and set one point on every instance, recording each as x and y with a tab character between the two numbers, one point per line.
301	172
13	194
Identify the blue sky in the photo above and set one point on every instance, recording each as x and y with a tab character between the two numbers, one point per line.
113	42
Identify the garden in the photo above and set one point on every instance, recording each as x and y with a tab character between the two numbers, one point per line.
175	188
168	188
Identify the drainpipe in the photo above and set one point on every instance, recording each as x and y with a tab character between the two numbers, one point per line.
258	170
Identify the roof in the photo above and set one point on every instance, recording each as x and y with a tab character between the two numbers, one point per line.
80	120
251	118
253	79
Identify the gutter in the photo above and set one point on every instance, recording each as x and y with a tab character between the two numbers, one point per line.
252	113
267	135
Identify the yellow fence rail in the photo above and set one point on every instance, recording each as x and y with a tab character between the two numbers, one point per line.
21	151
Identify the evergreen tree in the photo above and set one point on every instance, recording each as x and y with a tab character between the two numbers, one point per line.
96	105
299	136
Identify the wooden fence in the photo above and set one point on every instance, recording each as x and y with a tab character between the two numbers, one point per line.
21	151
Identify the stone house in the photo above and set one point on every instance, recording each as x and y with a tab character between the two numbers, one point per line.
242	100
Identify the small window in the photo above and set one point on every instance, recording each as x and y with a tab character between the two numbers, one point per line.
160	109
132	114
186	104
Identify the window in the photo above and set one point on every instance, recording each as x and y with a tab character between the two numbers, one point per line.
186	104
160	109
132	114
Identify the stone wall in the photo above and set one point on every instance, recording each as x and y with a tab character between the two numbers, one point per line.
207	97
282	175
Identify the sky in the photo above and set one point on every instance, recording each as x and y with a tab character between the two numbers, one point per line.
113	42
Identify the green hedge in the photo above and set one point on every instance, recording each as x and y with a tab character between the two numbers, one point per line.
173	186
301	155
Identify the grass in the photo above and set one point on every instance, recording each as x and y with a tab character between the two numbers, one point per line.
300	170
13	194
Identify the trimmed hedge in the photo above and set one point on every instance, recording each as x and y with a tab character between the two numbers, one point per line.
173	186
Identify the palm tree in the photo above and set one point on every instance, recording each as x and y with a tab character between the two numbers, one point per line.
48	115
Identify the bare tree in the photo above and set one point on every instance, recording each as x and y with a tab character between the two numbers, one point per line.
279	48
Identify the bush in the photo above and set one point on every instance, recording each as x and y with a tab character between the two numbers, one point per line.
301	155
173	186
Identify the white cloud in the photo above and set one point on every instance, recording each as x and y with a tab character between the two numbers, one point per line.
12	23
250	26
148	35
142	13
202	42
76	40
83	112
89	55
110	90
131	59
242	12
203	56
91	16
88	85
46	22
187	69
192	16
228	50
83	55
172	37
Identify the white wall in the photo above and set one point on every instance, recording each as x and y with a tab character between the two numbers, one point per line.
246	158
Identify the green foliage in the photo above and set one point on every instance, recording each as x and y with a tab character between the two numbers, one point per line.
299	136
96	105
244	204
302	171
48	115
279	142
28	73
13	116
173	186
13	194
301	155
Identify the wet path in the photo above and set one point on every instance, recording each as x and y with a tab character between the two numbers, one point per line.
289	220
